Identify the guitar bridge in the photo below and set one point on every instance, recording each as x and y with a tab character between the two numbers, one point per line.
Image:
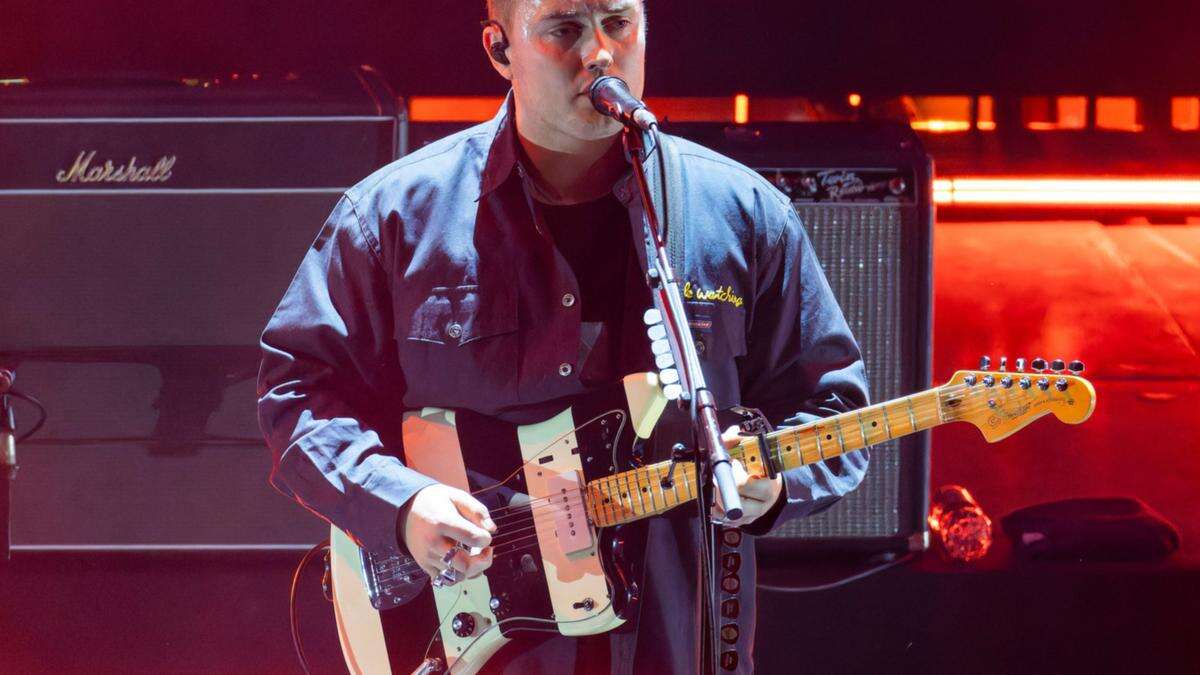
391	579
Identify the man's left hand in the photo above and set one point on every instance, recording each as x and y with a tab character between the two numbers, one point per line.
758	494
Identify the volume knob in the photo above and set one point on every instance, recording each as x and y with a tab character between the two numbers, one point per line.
463	625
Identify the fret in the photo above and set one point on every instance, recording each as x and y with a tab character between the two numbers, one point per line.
618	504
862	428
637	488
820	451
606	499
841	441
912	415
649	488
634	491
887	426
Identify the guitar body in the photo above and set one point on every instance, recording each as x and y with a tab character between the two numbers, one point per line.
552	570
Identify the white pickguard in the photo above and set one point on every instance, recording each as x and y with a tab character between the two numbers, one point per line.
572	569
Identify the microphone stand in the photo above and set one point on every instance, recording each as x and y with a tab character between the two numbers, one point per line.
711	458
8	466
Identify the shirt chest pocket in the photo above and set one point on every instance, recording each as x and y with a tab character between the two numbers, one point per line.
459	348
719	329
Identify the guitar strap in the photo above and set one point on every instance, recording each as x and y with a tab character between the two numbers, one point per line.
671	175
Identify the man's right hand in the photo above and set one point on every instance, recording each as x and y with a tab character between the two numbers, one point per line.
439	518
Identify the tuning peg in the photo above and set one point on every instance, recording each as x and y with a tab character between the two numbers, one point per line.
660	347
985	362
1076	367
664	360
1021	365
1003	363
668	376
657	331
651	317
1057	365
1038	364
672	392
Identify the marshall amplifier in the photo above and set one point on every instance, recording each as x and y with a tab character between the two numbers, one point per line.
148	231
864	193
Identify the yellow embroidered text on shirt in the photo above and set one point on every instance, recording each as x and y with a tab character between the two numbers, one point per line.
719	294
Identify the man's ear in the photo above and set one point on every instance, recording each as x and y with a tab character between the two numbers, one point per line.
495	45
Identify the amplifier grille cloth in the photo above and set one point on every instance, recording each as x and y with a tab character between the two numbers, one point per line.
858	247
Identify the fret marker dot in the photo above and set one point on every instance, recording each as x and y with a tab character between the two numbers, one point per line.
874	424
828	437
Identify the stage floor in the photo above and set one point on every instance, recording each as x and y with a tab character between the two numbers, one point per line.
1123	299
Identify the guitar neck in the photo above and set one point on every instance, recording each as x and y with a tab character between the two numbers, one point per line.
657	488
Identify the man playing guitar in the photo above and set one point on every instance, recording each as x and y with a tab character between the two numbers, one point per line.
495	273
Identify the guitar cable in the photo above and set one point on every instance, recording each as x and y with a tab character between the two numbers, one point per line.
870	571
295	616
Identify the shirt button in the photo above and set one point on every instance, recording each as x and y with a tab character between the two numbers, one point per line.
454	330
568	300
565	369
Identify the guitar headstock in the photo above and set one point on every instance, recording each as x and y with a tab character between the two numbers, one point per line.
1001	402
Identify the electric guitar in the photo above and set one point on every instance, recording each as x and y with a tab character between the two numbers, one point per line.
561	491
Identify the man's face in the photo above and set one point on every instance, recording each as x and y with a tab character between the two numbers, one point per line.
553	45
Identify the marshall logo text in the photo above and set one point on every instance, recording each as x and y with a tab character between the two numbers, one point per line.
82	170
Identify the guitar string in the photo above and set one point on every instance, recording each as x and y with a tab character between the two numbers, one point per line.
944	395
501	511
774	452
947	391
511	540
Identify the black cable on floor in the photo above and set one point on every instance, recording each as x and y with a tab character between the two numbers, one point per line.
840	582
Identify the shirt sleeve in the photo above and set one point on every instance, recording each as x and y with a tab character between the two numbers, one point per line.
330	385
802	363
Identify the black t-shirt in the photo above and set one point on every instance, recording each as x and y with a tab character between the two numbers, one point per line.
594	238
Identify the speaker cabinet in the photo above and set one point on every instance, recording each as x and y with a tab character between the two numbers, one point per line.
149	230
864	194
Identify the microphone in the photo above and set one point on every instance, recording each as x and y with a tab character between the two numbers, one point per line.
7	377
611	96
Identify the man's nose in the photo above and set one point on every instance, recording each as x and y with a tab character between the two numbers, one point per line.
597	54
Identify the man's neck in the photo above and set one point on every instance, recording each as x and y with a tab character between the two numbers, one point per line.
579	172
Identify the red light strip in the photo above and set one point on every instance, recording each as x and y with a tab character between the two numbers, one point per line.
1169	192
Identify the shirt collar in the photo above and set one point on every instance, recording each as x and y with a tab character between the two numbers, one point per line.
503	155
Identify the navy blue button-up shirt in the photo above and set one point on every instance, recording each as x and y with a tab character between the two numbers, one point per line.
433	283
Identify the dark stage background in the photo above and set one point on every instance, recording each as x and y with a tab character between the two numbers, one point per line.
1122	298
696	47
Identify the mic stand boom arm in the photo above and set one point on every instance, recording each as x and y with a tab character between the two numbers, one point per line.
712	460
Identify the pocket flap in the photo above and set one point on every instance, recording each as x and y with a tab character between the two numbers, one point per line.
457	315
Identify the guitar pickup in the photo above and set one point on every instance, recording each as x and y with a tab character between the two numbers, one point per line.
571	526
